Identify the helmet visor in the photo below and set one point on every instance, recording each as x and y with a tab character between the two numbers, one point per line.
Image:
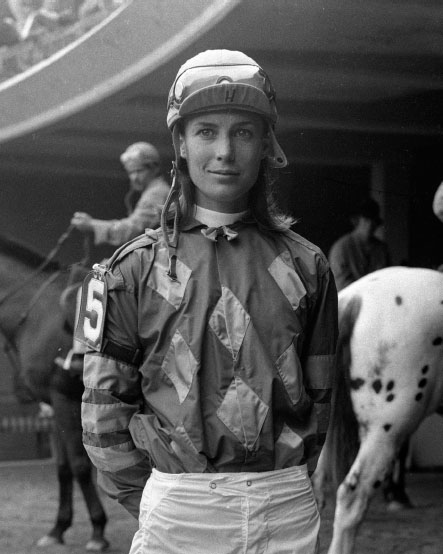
241	86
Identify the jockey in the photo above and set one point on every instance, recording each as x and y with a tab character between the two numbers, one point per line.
212	340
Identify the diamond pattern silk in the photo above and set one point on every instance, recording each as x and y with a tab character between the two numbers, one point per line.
229	321
243	412
180	365
238	355
287	279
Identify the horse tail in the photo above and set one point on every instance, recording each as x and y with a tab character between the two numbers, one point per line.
343	439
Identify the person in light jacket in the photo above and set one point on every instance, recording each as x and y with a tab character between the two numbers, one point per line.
147	194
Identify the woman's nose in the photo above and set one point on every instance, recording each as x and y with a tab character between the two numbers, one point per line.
225	148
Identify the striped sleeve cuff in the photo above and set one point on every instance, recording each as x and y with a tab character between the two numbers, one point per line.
113	458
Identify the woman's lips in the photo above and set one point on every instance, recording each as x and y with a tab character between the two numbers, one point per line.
226	172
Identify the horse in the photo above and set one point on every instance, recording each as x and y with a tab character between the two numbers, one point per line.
389	378
34	330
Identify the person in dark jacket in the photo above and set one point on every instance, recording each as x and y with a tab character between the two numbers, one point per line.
359	252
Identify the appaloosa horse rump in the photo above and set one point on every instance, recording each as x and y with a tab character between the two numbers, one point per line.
389	378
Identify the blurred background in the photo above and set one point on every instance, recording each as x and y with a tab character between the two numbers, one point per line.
359	93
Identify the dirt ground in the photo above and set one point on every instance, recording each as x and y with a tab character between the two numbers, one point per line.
28	502
412	531
28	505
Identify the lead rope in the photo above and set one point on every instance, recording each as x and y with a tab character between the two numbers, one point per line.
9	346
172	243
83	262
63	237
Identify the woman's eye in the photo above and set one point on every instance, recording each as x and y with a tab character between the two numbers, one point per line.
207	133
244	133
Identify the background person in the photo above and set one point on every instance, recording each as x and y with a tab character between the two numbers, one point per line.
55	13
216	359
9	33
147	193
23	13
359	252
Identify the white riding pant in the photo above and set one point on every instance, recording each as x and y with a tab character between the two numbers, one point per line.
273	512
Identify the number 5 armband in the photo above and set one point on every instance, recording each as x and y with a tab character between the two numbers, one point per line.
90	324
92	311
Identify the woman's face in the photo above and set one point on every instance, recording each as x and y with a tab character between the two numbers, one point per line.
223	151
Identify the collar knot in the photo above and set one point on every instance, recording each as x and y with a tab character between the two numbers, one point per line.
212	233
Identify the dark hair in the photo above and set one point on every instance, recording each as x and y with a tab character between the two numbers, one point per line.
263	208
367	208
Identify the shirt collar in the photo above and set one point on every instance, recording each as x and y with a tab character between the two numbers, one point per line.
193	223
217	219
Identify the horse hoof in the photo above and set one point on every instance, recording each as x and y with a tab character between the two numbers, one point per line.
397	506
47	540
97	545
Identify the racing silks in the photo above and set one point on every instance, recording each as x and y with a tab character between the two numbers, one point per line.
237	357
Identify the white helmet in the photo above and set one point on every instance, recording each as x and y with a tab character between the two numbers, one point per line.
224	79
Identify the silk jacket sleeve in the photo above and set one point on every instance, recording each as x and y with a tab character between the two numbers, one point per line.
320	347
113	395
145	215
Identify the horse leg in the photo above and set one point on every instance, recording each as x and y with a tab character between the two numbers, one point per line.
319	478
81	465
65	506
84	475
65	503
394	488
354	494
322	479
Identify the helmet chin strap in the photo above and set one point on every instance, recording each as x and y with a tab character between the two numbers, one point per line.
172	242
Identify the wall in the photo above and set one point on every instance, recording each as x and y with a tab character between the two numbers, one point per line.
425	230
37	209
321	197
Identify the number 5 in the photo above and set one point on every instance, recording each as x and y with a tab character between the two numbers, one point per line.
94	310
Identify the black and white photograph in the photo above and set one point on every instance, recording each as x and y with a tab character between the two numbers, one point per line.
221	276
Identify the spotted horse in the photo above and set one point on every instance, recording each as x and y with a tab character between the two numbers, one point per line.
389	378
